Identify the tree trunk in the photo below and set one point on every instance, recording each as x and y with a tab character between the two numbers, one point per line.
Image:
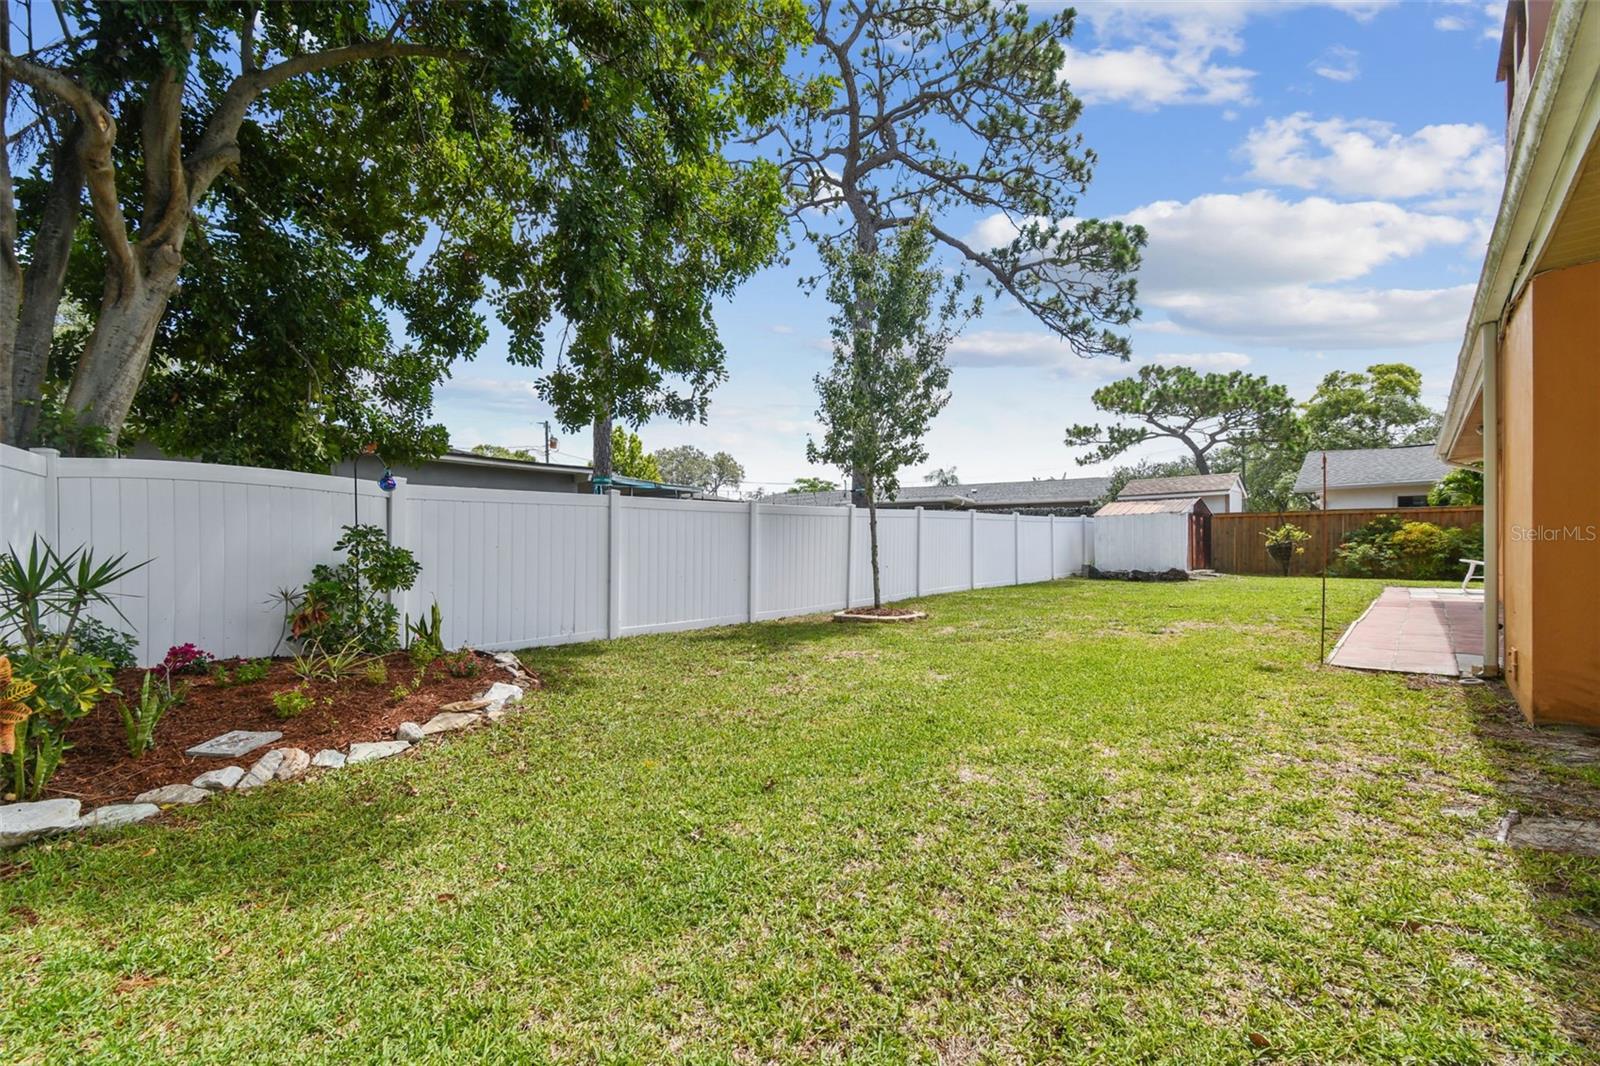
10	266
602	446
872	531
1201	466
44	282
113	363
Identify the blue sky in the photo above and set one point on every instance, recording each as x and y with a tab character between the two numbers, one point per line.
1317	179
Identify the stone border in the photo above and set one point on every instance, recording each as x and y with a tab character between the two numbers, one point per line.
853	616
24	822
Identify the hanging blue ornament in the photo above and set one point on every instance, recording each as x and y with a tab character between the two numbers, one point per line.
386	482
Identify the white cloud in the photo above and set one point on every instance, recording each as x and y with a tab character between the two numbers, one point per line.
1146	79
1203	360
1352	157
1449	23
987	348
1154	53
1237	241
1337	63
1308	316
781	327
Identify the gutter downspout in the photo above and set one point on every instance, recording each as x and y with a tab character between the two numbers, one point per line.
1489	347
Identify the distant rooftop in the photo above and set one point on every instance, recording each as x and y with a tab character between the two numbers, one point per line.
1045	492
1176	505
1360	467
1191	485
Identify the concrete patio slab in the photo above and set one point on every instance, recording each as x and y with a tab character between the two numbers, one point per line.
1416	631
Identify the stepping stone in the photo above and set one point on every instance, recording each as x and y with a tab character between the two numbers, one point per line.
21	822
173	795
449	721
328	759
1572	835
499	694
465	705
378	749
410	732
238	742
219	780
117	814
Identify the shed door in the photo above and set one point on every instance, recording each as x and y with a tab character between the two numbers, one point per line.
1199	542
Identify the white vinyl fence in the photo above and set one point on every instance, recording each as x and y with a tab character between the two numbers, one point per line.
509	569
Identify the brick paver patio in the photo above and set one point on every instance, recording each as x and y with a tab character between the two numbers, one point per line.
1416	631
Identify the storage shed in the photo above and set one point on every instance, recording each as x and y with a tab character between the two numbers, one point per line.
1153	535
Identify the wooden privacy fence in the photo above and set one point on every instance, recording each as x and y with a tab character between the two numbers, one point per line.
1238	547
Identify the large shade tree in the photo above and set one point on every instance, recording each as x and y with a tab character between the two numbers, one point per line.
944	110
249	192
1379	408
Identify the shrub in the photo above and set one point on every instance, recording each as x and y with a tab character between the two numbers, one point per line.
94	637
186	659
43	599
291	702
377	672
427	640
1389	546
1420	550
251	671
139	719
347	602
463	663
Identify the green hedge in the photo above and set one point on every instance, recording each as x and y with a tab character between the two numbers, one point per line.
1390	546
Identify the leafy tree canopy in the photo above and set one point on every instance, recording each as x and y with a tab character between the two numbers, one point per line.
1381	408
245	197
629	458
688	465
1458	488
942	476
1200	411
813	484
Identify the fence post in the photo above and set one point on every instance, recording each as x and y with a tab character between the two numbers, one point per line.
397	514
1016	548
52	497
755	553
919	551
1052	547
614	565
849	550
972	546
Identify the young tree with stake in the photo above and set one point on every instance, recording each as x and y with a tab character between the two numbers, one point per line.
895	320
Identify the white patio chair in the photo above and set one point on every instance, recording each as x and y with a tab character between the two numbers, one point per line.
1474	572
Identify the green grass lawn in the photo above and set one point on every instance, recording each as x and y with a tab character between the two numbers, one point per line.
1074	821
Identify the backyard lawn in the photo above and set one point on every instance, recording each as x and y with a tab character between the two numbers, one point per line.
1070	821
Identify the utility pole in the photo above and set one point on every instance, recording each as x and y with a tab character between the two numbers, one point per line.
546	425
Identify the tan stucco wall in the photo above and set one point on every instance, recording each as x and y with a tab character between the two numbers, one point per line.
1550	492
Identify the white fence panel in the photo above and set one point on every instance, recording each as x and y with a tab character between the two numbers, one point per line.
1033	546
897	556
24	497
508	568
997	550
217	543
800	553
946	551
685	564
1072	545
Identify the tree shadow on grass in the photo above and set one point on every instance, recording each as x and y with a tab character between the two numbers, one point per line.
1552	771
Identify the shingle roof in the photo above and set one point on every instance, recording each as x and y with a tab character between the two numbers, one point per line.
1122	507
1192	485
1356	467
1042	493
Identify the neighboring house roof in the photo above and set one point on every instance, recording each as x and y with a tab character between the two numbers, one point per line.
1193	485
460	458
1041	493
1364	467
1173	506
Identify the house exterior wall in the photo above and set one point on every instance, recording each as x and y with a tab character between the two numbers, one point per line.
1372	497
1549	484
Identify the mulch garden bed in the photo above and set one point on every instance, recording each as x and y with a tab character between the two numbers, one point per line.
97	768
879	614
